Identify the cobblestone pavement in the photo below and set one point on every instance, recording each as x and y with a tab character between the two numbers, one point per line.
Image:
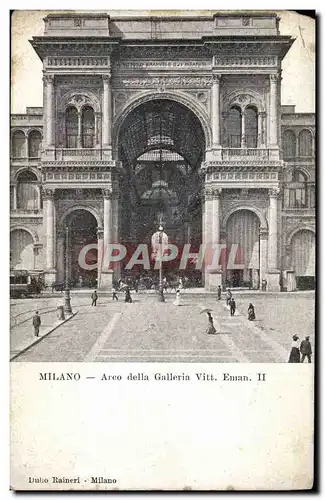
147	330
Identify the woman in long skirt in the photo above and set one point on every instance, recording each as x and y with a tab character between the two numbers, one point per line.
251	312
295	352
211	329
177	301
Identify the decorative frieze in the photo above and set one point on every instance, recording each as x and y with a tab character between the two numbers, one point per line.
212	194
245	61
76	176
48	194
79	164
79	61
241	176
154	64
164	82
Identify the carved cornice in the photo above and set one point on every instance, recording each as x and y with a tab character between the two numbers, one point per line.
169	52
240	165
163	82
78	164
79	61
234	61
76	175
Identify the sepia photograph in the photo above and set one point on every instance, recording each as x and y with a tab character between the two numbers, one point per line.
162	250
162	187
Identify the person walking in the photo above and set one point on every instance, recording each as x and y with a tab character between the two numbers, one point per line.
232	304
305	349
211	329
128	297
36	323
219	292
251	312
177	301
294	356
114	294
94	298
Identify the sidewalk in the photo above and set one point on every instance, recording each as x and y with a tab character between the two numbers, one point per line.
22	336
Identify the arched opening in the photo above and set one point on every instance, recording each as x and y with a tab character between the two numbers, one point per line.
161	146
305	143
71	127
21	253
295	190
303	258
82	231
289	144
251	127
27	191
34	144
243	250
234	127
18	144
88	127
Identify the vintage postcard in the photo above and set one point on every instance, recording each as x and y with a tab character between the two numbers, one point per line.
162	250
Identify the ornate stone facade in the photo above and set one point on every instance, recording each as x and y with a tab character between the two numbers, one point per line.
98	95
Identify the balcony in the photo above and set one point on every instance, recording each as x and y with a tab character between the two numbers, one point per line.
245	153
79	154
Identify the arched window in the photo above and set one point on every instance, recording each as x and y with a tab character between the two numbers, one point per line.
21	250
234	127
71	127
18	144
295	190
251	127
88	127
34	144
289	144
305	143
27	191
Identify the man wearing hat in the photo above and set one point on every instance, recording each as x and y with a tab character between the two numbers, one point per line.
305	349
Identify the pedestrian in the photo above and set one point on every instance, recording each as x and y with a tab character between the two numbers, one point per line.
211	329
232	304
305	349
114	294
219	292
180	283
251	312
177	301
228	296
136	285
94	298
128	297
294	353
36	323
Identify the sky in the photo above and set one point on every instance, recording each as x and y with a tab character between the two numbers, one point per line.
298	75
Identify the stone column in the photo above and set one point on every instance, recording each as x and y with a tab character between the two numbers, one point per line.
49	218
60	242
15	196
273	272
49	118
79	138
263	254
106	276
213	277
273	111
215	109
107	113
115	229
243	130
100	249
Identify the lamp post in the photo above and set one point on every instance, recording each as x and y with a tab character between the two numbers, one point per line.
161	297
67	301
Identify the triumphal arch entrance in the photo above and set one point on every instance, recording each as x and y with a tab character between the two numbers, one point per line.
164	120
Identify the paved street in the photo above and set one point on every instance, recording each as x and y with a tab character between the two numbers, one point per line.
147	330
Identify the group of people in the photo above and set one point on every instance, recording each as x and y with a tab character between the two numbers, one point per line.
126	290
230	301
299	353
